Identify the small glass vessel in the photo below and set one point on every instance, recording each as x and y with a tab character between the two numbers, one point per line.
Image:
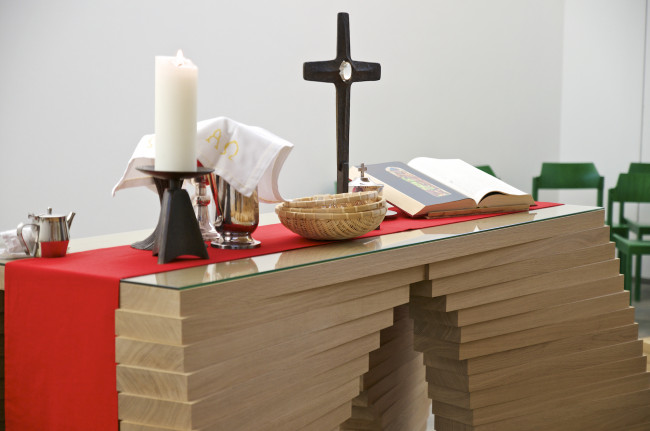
363	183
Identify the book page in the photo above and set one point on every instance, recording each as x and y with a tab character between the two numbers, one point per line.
463	177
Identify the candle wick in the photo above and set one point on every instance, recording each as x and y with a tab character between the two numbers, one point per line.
180	59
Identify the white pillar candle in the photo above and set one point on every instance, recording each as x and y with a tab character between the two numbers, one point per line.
175	122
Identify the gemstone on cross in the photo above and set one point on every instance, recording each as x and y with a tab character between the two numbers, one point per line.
345	71
342	72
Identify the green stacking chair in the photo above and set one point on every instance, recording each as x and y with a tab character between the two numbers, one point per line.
569	176
639	229
639	168
630	188
626	226
487	169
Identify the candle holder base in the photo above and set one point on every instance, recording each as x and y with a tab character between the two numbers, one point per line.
147	243
178	229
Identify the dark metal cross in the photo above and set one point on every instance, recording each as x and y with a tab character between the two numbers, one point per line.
342	72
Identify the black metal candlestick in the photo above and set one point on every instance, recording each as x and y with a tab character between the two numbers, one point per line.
342	72
147	243
178	230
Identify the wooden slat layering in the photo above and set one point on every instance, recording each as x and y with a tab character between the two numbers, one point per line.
266	357
394	391
532	336
520	328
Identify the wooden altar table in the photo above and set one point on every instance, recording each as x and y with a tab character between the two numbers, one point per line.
517	322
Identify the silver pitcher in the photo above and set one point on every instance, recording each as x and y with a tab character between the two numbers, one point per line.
236	218
51	234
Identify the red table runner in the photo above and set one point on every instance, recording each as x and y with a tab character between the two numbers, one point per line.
60	325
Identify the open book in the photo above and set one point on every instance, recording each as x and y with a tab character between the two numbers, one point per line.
445	187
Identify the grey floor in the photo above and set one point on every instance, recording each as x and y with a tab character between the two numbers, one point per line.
642	317
642	311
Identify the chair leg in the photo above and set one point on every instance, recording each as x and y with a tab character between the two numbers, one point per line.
637	278
626	270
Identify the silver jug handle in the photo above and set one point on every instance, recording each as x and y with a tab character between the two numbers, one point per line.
21	239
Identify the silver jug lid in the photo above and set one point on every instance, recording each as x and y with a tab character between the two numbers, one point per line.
47	215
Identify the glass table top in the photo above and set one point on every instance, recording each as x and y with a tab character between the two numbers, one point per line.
232	270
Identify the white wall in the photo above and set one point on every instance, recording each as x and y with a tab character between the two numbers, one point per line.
645	129
471	79
602	87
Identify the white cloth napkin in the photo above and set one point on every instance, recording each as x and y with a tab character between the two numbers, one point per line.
245	156
10	246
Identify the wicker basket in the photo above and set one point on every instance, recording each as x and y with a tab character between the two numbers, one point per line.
341	200
335	209
331	225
